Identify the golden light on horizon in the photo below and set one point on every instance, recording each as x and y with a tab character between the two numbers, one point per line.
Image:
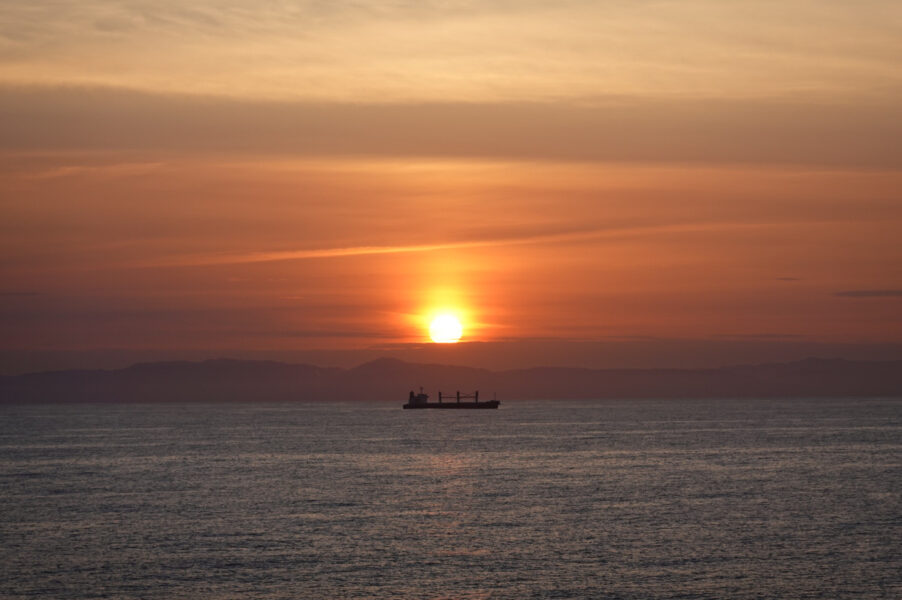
445	329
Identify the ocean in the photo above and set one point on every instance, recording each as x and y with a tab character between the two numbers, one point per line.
608	499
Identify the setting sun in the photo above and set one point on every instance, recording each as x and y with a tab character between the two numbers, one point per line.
445	329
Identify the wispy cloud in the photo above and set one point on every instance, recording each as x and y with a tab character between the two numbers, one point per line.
321	253
465	50
870	294
759	336
273	256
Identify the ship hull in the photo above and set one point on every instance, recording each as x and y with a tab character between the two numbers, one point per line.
451	405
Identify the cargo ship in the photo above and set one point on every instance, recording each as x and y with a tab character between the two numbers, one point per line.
421	400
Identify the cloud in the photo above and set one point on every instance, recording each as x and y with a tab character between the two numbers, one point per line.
334	333
759	336
260	257
458	49
514	240
611	129
870	294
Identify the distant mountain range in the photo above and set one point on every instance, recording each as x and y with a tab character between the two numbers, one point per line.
225	380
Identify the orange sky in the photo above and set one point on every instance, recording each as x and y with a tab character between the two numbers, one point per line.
239	178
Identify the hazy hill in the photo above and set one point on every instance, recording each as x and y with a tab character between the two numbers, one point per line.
390	380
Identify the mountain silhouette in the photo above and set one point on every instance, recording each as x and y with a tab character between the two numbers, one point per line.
385	379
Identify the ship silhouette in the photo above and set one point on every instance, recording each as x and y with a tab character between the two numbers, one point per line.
421	400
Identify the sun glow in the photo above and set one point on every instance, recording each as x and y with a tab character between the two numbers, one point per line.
445	329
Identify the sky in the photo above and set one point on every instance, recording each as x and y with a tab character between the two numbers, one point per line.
601	184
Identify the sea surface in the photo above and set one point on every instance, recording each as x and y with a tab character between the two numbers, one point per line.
610	499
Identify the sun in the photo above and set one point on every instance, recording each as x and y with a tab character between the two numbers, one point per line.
445	329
